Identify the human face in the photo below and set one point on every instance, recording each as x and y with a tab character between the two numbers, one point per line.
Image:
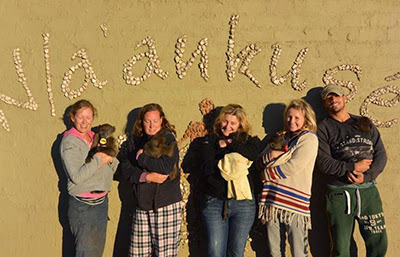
335	103
295	119
229	124
152	122
83	119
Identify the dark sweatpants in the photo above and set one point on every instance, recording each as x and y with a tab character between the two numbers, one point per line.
345	205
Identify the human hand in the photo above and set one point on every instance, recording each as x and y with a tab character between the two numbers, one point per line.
274	154
104	158
156	177
139	152
362	165
355	177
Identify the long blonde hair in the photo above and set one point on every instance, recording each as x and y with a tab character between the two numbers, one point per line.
310	123
235	110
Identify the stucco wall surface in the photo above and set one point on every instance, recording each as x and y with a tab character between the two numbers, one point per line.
364	33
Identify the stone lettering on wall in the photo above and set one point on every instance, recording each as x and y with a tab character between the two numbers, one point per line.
90	76
30	104
294	72
245	56
152	65
46	51
375	98
182	67
329	80
240	61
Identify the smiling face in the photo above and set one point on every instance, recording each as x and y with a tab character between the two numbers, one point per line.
335	103
295	119
152	122
83	119
230	124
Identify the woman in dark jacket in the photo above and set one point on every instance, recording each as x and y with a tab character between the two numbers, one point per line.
149	160
228	204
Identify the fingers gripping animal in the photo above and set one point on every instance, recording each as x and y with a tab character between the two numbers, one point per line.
156	147
104	142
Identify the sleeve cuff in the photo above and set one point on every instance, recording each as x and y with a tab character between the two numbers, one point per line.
349	166
143	176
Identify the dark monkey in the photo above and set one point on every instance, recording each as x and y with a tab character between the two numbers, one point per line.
156	147
104	142
278	142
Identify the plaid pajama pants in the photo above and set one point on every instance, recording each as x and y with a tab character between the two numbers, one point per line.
156	233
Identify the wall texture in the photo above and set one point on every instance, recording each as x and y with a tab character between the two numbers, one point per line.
364	33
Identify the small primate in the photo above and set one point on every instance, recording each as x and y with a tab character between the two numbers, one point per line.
364	124
156	147
104	142
278	142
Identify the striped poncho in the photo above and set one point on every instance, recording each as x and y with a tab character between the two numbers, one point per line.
287	181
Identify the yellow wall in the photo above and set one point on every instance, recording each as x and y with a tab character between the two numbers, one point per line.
364	33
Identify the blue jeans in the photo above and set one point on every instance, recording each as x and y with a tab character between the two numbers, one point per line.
227	237
88	225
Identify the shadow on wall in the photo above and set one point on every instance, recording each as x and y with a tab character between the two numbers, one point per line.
272	120
313	97
68	248
128	201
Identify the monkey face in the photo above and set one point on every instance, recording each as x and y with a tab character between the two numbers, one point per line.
106	130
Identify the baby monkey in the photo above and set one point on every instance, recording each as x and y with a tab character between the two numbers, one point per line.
156	147
278	142
364	124
104	142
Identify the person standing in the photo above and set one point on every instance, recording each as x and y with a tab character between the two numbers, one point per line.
227	201
158	216
88	183
352	155
287	178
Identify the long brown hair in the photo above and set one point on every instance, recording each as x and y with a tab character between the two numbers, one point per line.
138	126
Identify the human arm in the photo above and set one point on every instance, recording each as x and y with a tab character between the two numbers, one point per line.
113	164
303	153
73	154
153	177
164	164
379	158
249	148
325	162
128	168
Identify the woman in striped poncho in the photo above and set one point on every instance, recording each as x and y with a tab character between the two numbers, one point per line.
287	178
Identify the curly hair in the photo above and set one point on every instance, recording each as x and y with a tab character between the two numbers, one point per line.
310	123
138	126
235	110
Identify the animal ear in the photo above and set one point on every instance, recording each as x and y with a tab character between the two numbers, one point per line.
95	140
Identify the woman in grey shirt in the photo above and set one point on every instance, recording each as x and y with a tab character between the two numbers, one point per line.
88	183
